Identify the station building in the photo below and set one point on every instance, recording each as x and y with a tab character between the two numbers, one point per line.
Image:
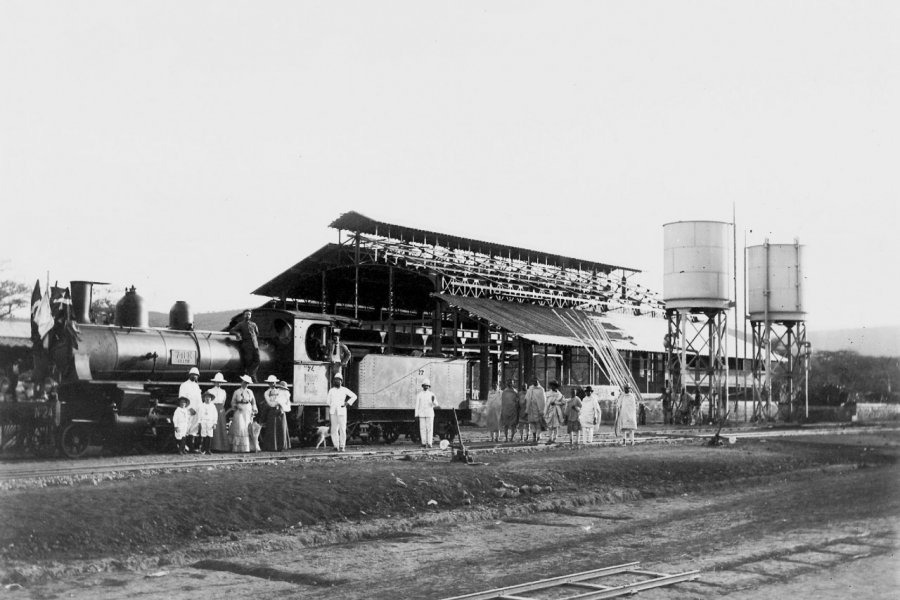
508	310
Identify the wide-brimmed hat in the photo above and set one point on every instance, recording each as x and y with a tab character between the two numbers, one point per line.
218	378
246	379
271	379
208	394
184	400
427	382
281	385
194	371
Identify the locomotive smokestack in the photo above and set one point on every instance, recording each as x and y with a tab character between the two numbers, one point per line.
82	296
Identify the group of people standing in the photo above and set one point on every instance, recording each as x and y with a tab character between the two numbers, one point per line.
537	410
200	421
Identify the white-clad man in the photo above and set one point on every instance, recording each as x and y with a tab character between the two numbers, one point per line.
425	403
339	398
190	389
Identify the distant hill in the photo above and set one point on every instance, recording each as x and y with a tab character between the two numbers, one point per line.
867	341
211	321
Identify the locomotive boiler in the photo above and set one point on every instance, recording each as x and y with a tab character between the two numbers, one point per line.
119	382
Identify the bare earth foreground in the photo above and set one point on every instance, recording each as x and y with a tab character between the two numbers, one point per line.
799	517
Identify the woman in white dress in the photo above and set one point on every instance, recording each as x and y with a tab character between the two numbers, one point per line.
244	403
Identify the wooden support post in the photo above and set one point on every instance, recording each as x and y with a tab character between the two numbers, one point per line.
437	320
356	278
484	365
526	361
392	329
501	362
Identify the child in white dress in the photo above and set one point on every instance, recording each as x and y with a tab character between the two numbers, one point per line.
180	420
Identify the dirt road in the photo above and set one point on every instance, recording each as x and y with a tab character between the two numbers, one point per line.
819	521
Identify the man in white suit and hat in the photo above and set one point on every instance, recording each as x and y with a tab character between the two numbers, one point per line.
190	389
425	403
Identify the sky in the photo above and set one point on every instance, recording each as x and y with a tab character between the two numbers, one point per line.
197	149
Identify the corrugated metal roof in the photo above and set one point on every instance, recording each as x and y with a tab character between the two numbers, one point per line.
15	333
540	324
537	323
354	221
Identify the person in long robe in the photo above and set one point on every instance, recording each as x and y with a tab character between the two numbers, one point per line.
572	416
276	433
589	415
553	412
509	411
220	442
535	404
523	415
244	403
492	416
626	415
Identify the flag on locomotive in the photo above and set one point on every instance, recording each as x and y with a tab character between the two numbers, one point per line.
54	332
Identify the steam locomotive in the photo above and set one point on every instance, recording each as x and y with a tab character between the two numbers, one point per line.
119	382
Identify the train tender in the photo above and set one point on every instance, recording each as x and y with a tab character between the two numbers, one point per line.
119	383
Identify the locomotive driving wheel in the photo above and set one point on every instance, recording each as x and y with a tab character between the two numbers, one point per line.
375	432
391	434
75	439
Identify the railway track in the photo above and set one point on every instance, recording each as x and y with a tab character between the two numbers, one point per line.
93	467
475	445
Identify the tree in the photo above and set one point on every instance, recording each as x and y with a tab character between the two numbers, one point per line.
843	375
13	296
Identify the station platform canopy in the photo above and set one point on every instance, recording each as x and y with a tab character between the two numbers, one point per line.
378	266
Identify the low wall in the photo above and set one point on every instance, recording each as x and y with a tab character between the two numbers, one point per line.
876	412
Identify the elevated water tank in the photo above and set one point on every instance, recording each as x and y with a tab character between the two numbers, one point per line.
776	269
131	310
697	272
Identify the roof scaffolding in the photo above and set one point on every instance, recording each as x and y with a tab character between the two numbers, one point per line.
457	266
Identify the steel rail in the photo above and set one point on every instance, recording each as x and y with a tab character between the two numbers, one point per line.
505	592
581	580
13	472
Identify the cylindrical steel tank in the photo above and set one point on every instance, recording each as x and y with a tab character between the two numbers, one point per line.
775	282
181	317
697	272
131	311
139	354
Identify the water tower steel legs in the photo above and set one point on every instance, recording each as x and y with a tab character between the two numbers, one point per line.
696	359
778	381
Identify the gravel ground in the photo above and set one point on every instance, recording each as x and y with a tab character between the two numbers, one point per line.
146	523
